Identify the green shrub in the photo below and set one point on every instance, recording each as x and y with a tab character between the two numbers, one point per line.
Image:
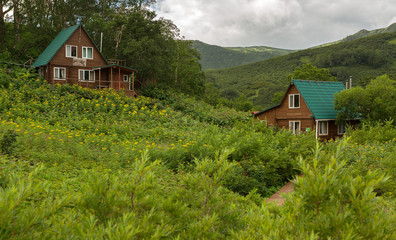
8	142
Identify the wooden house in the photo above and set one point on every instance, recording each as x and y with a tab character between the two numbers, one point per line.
73	58
307	106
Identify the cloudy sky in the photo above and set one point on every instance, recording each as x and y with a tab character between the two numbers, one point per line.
290	24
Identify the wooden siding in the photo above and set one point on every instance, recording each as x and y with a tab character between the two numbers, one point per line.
107	77
281	115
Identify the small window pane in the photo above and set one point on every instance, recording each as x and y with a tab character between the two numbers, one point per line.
74	51
89	52
323	128
296	100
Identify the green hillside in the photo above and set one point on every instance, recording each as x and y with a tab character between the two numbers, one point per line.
364	58
216	57
366	33
363	33
80	163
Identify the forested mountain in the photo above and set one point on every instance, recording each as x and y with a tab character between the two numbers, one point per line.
216	57
363	59
366	33
131	30
363	33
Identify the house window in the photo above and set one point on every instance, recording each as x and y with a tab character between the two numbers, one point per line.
323	128
87	52
295	126
86	75
341	129
59	73
125	78
71	51
294	100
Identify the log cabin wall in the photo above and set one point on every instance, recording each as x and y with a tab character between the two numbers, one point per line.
73	64
282	114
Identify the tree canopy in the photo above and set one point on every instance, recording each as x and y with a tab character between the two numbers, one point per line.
132	32
376	102
311	72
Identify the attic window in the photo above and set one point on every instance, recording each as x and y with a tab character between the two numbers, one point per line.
71	51
294	100
87	52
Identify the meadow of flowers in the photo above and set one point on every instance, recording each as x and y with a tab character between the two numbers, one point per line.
79	163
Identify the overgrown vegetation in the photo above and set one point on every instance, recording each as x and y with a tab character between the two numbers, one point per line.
363	59
131	31
216	57
92	164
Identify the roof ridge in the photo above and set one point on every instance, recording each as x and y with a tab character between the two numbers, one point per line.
55	45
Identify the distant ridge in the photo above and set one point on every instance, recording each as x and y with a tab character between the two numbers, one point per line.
363	33
216	57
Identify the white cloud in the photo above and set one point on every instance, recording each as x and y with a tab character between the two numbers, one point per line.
277	23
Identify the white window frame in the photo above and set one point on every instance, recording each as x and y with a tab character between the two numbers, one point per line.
57	73
320	128
292	126
341	127
127	78
68	52
292	101
85	50
81	74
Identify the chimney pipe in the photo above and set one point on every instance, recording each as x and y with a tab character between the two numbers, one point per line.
346	84
101	41
350	81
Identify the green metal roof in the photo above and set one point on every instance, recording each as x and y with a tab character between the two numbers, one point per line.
319	96
54	46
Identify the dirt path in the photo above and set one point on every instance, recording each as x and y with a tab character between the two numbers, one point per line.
277	197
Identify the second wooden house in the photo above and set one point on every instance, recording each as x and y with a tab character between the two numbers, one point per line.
73	58
307	106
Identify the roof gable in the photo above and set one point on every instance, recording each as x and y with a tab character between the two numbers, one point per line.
319	96
47	55
54	46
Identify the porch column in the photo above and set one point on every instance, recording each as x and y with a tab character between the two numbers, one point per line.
100	75
111	77
119	78
133	81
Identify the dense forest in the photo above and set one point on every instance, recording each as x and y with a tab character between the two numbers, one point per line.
132	32
363	59
216	57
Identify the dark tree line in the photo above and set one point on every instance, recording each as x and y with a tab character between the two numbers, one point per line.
132	32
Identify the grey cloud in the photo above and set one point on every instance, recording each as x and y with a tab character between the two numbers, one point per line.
289	24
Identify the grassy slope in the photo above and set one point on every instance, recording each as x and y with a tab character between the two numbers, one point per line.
97	183
362	58
215	57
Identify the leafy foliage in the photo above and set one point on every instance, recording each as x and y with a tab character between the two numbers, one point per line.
93	164
310	72
132	32
376	102
216	57
364	59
